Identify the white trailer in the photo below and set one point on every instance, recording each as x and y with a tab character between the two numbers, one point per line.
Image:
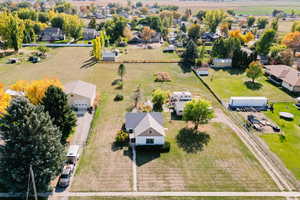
73	154
240	102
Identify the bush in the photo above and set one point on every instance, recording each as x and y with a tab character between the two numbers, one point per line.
166	147
162	77
119	97
120	85
122	138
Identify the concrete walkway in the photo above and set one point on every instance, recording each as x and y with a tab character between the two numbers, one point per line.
134	170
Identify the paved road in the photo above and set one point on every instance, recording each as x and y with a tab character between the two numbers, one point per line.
166	194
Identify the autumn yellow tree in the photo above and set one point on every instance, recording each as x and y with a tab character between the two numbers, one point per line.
249	37
20	85
244	38
4	100
147	33
36	89
127	33
292	40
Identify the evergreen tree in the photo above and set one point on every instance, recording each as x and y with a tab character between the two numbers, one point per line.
264	43
92	23
121	71
55	102
30	139
191	53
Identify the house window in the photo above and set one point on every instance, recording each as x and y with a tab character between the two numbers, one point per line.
150	141
150	131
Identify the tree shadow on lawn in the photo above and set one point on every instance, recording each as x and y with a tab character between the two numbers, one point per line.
88	63
232	70
185	68
192	141
175	117
253	85
145	156
115	82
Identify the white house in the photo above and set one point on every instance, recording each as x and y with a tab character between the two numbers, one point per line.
109	56
14	93
145	128
221	63
81	95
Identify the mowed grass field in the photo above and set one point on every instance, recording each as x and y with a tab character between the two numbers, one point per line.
224	164
233	82
213	160
289	150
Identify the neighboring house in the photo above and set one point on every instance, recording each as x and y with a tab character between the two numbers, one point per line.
263	59
90	34
285	76
14	93
81	95
209	37
145	128
52	34
221	63
109	56
137	39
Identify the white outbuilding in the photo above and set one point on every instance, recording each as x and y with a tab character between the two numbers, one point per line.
81	95
222	63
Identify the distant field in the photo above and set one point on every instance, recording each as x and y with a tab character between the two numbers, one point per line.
254	7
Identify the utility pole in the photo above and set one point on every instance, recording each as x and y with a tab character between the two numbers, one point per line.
33	182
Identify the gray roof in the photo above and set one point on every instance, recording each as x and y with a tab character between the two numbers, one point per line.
149	123
141	121
81	88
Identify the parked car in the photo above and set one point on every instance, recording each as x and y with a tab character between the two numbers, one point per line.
65	177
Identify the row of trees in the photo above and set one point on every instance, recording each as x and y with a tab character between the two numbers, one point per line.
98	44
25	26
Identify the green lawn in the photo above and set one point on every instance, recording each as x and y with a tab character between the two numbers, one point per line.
288	151
232	82
175	198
